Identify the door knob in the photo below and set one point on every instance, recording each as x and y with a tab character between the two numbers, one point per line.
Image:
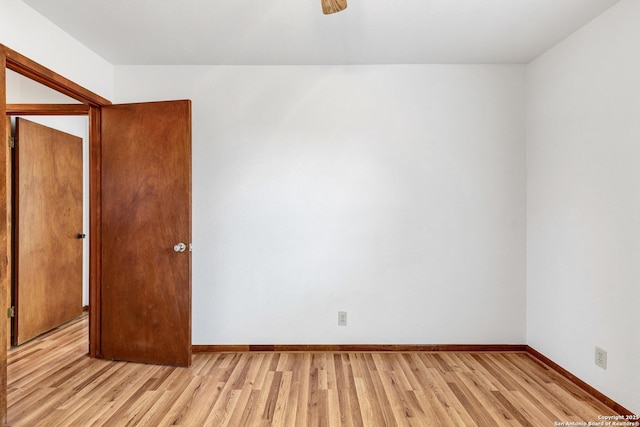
180	247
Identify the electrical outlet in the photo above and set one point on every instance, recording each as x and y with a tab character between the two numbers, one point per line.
342	318
601	358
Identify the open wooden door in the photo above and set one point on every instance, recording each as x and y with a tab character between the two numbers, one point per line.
146	215
48	222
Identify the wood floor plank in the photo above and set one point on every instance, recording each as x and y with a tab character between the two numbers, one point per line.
303	368
52	382
444	397
161	402
537	395
256	417
291	398
282	400
435	413
488	400
507	393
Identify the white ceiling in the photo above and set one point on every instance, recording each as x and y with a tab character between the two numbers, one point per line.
296	31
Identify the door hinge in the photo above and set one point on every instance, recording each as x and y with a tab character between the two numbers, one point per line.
11	142
11	312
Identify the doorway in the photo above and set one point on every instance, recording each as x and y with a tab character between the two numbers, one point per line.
11	60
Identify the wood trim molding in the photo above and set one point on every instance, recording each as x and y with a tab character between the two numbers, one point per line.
47	110
31	69
544	360
95	233
4	283
470	348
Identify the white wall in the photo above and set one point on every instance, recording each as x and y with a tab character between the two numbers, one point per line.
396	193
583	231
29	33
22	90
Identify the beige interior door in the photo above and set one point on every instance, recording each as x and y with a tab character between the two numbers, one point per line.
47	220
146	215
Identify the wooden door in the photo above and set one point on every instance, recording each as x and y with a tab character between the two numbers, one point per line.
146	211
47	220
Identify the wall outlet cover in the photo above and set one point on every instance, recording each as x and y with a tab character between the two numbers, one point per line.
601	358
342	318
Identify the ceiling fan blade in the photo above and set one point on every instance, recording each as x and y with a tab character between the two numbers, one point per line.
333	6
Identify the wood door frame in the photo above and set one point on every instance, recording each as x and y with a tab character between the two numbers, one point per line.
12	60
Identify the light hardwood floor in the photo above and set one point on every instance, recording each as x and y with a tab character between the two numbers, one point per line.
53	382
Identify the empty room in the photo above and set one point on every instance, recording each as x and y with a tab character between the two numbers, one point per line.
415	213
